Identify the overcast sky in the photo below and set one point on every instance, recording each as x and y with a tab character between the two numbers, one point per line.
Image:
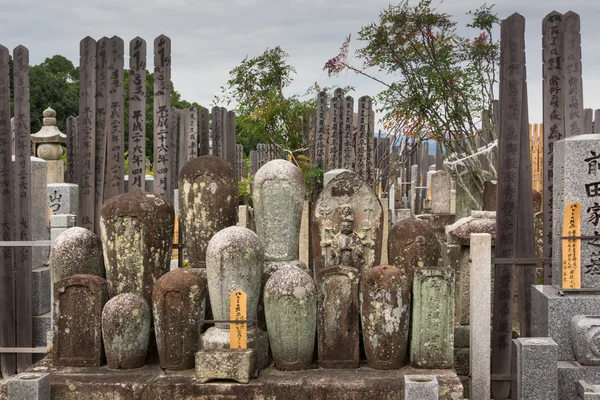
209	38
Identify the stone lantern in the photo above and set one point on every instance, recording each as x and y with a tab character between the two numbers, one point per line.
48	142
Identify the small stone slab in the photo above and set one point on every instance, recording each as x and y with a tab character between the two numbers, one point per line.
78	304
421	387
235	364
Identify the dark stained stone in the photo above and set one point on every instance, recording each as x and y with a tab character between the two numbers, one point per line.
178	301
412	244
290	299
137	237
76	251
347	231
78	303
208	203
385	314
126	331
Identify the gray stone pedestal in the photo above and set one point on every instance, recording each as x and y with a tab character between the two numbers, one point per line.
420	387
534	364
218	338
29	386
235	364
552	313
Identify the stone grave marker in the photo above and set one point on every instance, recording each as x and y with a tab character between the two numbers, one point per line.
385	293
440	192
86	139
576	180
412	244
217	132
290	298
162	109
126	330
76	251
234	259
178	304
432	336
137	238
63	198
207	202
137	114
229	117
78	304
346	240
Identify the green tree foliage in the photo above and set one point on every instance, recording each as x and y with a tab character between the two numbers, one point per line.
436	83
264	113
55	83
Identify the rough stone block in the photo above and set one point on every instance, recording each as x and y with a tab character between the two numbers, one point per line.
29	386
40	291
235	364
41	324
587	391
535	366
60	223
552	313
420	387
329	175
63	198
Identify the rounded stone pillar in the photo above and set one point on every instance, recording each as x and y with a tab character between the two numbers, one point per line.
278	196
126	331
137	237
290	300
76	251
207	203
385	316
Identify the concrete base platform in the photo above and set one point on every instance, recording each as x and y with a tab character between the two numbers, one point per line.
69	383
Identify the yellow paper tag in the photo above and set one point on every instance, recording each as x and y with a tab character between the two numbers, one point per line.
571	248
237	311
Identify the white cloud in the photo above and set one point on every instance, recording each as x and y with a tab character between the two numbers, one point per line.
211	37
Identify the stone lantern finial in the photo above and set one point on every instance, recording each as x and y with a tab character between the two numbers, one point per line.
48	141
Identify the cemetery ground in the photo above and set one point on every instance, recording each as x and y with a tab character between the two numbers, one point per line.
208	278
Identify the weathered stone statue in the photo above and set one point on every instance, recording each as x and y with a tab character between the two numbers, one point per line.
385	314
78	304
346	242
126	331
76	251
291	313
178	301
137	237
208	203
234	261
278	197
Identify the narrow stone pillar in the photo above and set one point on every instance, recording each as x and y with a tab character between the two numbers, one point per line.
480	306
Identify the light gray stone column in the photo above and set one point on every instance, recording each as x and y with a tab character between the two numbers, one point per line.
480	306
